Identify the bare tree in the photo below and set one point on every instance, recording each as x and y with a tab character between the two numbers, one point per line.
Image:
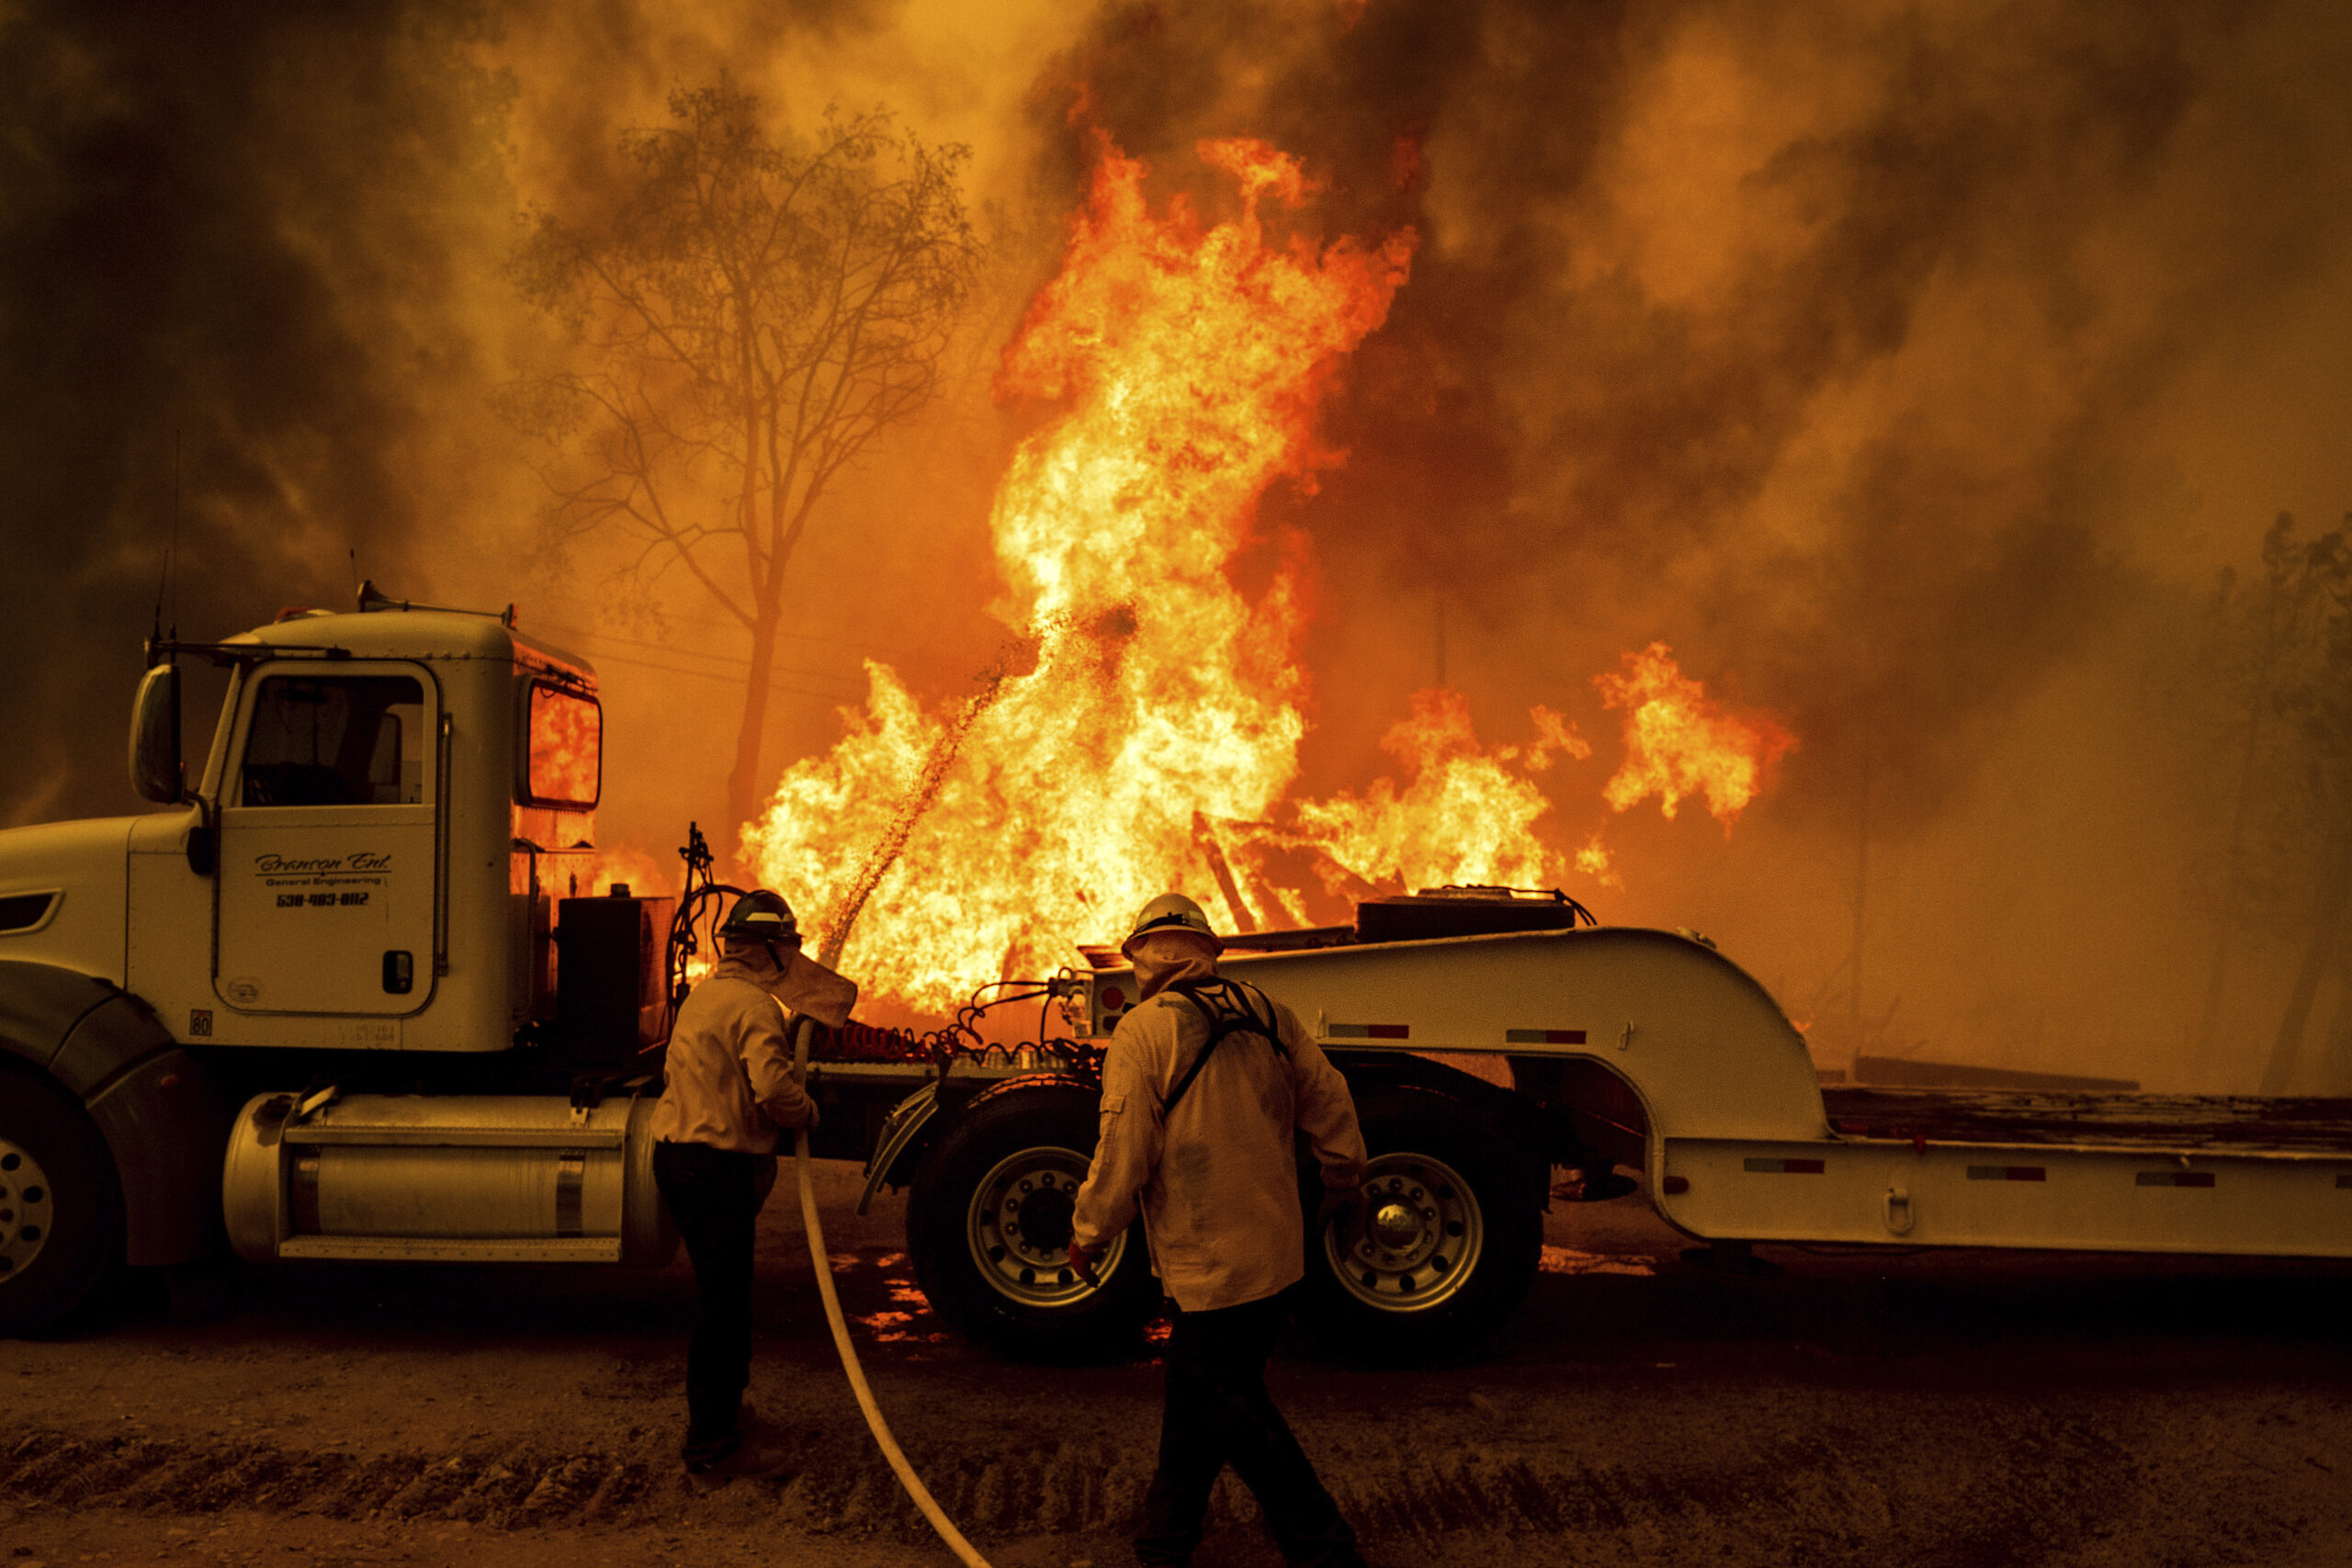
2319	707
2281	643
2261	630
756	312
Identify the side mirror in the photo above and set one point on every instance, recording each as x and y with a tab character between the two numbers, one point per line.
155	736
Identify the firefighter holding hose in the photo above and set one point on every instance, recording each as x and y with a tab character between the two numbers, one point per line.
730	1086
1203	1087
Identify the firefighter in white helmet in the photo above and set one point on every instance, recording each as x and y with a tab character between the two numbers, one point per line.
730	1087
1203	1087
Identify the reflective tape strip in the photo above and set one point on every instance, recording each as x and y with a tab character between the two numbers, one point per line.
1368	1032
2007	1173
2174	1178
1542	1036
1785	1166
571	1175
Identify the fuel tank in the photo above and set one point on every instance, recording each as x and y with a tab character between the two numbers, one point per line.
507	1179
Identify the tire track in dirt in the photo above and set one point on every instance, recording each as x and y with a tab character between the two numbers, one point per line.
1817	1494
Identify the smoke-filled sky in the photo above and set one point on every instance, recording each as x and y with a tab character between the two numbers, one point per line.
1910	368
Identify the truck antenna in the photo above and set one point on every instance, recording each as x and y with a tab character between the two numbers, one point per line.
170	550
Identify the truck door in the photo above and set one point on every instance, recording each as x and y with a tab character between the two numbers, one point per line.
328	843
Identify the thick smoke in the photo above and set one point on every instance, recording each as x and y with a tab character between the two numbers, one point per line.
1905	367
246	242
1820	340
1896	363
266	249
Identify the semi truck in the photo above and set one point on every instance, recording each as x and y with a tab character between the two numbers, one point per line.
350	992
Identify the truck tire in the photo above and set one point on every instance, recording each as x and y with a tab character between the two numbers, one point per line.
60	1206
1444	1246
988	1228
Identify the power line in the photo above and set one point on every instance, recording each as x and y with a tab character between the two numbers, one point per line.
860	649
719	675
740	667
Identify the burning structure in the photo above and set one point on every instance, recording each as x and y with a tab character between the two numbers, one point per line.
1149	739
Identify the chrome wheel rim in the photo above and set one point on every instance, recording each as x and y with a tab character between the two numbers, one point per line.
27	1209
1414	1242
1018	1228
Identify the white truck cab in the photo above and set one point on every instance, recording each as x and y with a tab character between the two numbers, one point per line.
390	801
364	866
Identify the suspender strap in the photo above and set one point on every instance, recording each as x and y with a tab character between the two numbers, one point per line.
1231	1008
1191	1073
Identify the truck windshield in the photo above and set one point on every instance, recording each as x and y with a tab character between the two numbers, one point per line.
340	740
566	747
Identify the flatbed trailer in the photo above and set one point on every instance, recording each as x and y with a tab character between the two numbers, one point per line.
1668	1057
341	996
1603	1047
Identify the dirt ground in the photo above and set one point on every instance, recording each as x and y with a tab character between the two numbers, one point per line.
1963	1411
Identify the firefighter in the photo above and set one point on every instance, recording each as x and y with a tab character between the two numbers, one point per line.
1202	1085
730	1086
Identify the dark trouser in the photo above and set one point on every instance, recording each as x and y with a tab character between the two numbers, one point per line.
1219	1413
715	1195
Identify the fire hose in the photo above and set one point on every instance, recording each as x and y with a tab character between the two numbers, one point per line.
942	756
823	1264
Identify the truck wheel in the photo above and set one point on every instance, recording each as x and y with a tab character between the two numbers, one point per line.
61	1208
989	1227
1444	1246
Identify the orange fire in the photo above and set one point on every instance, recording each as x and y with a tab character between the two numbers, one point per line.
1161	703
567	742
1678	742
1593	859
1143	736
1468	815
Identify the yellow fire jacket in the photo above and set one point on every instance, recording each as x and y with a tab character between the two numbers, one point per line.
729	1065
1216	1177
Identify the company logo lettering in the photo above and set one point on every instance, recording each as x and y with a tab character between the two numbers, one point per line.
297	866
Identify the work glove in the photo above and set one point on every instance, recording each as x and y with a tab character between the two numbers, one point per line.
1339	1207
1082	1258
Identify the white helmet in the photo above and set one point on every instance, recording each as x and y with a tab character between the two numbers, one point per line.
1171	912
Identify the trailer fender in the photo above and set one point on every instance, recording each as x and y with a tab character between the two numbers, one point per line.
1540	1139
163	1117
906	1123
1602	1110
917	1121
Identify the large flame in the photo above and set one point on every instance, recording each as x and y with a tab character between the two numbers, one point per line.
1159	701
1143	732
1679	742
1467	816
